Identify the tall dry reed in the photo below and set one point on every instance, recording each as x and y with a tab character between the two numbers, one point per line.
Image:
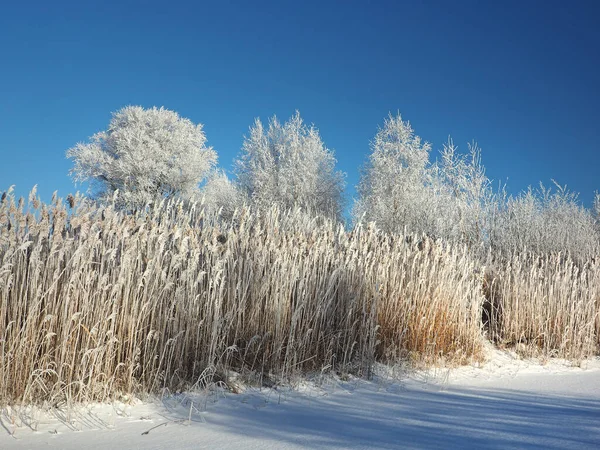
95	302
546	305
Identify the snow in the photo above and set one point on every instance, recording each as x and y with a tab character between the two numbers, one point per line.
505	403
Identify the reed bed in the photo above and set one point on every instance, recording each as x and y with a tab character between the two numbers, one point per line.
96	303
430	303
546	305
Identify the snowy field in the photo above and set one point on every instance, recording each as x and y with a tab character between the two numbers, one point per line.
506	403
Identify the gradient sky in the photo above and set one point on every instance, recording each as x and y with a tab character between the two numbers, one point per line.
520	78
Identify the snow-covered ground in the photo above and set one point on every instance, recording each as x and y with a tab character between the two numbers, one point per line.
507	403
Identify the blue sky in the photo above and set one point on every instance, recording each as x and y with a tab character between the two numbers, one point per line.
520	78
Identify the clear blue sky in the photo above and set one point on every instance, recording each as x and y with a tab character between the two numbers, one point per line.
519	77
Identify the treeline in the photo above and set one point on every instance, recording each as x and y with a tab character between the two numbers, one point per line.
149	154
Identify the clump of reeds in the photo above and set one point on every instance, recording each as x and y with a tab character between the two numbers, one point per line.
95	302
546	305
430	302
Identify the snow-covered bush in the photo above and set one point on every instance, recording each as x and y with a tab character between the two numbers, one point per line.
219	194
288	165
543	221
144	154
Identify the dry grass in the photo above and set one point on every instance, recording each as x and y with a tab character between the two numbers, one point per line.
546	305
430	305
95	303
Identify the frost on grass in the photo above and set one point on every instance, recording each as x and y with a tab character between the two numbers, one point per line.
96	302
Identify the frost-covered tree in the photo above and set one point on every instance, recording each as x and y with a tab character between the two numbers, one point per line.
395	189
465	194
219	194
144	154
401	190
288	165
